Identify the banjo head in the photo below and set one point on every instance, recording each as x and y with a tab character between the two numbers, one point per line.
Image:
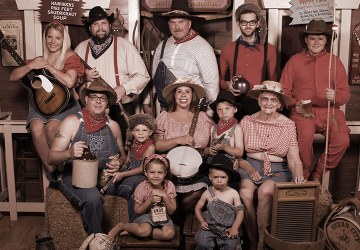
184	161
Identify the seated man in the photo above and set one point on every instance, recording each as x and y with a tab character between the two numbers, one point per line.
89	129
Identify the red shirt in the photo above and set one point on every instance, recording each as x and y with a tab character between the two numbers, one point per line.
249	63
306	78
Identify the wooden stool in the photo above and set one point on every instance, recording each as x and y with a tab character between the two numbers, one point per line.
65	224
133	243
191	225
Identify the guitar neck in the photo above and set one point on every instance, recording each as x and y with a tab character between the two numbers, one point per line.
5	45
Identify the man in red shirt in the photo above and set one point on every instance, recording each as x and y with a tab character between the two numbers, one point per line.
306	77
246	56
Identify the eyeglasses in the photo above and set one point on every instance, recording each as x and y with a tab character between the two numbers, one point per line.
245	23
96	98
267	99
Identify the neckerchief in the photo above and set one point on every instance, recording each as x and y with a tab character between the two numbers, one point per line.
323	52
138	149
249	44
93	124
98	47
225	125
192	34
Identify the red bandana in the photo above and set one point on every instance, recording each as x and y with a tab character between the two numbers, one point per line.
138	149
192	34
225	125
93	124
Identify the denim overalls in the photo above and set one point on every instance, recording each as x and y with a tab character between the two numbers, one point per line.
219	216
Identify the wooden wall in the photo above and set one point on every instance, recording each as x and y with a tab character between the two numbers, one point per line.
13	97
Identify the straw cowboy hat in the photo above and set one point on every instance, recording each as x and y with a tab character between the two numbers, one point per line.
227	96
317	27
249	7
98	87
95	14
178	9
270	86
198	89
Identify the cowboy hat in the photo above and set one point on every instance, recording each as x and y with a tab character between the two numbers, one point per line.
97	13
249	7
270	86
198	89
98	86
221	162
317	27
178	9
223	96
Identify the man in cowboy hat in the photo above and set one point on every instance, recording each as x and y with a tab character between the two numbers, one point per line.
91	129
114	59
250	56
184	54
306	77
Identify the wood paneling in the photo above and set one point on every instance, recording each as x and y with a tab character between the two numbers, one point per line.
13	97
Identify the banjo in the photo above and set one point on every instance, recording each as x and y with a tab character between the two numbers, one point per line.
184	160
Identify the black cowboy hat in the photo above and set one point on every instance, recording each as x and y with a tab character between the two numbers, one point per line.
221	162
95	14
226	95
178	9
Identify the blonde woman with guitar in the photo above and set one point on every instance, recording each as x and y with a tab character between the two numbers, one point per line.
183	132
49	79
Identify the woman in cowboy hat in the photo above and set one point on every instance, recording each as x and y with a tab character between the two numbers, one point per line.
184	54
91	129
306	77
173	129
272	156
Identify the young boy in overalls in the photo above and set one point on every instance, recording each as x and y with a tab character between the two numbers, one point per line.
221	221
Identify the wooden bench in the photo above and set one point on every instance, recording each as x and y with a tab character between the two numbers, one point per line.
64	221
133	243
191	225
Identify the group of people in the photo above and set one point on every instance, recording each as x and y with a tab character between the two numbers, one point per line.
251	146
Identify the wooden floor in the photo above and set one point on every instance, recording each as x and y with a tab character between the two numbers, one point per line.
20	234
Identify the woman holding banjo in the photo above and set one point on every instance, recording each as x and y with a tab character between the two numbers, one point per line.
183	132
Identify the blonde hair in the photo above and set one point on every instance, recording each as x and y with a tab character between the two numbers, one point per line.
66	42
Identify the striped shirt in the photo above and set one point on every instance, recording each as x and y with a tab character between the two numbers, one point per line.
193	59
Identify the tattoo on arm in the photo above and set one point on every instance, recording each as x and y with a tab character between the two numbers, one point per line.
59	135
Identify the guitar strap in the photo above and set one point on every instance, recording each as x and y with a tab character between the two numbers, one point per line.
117	76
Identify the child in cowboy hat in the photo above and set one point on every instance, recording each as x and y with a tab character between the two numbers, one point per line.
221	221
226	135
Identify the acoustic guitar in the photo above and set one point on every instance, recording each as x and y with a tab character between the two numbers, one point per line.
48	95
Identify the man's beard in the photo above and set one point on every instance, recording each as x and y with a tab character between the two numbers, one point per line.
248	34
100	40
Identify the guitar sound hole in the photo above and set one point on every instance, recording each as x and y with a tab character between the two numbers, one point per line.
36	84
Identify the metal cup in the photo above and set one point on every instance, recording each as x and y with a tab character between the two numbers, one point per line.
307	109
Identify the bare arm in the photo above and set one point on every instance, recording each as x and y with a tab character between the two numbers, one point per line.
238	149
164	145
20	72
199	205
60	150
295	164
234	230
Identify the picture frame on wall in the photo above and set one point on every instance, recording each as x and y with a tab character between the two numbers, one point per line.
13	35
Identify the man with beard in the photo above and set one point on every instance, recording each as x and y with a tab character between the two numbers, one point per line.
114	59
184	54
250	56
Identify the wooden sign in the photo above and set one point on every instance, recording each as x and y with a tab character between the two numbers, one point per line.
194	5
64	11
303	11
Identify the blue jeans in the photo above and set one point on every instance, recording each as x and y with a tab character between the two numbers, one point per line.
90	201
